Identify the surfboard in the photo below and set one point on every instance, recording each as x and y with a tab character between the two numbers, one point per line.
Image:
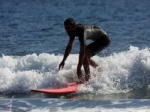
67	88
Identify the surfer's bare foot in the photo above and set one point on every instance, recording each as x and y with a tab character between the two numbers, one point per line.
93	63
80	82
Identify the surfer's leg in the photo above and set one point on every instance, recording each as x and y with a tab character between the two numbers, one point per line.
86	68
96	47
89	55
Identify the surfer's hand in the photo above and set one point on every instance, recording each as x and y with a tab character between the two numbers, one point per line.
61	65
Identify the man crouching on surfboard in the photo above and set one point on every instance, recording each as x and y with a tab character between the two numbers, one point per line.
83	32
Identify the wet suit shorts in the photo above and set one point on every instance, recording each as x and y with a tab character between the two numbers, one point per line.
98	45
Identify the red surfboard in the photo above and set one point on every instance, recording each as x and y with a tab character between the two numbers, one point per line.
67	88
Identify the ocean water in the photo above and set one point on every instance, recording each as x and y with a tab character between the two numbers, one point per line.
32	43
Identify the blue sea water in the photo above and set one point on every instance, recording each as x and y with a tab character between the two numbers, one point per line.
32	43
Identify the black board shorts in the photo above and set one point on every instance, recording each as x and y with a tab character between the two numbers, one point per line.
98	45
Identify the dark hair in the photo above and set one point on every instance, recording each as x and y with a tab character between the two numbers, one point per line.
70	21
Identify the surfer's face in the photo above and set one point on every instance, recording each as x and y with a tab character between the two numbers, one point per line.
69	28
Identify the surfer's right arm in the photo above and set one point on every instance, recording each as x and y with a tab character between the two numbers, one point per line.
67	52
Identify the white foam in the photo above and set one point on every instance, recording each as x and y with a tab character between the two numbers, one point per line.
118	72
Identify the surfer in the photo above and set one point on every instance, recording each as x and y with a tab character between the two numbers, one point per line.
84	32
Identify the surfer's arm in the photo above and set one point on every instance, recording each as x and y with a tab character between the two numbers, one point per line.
67	52
68	49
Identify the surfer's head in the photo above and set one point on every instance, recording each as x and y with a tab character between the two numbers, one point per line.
70	21
70	25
